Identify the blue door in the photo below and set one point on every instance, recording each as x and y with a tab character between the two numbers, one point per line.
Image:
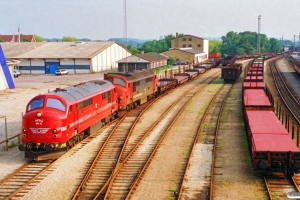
51	67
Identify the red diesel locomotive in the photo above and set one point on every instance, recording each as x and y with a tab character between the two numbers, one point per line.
59	119
133	88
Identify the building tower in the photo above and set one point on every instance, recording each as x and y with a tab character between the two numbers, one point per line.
19	34
258	35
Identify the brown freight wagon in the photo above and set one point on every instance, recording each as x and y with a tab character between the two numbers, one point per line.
230	73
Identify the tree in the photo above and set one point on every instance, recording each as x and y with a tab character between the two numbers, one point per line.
39	38
158	45
171	60
1	40
274	45
214	46
69	39
230	43
133	49
246	43
26	40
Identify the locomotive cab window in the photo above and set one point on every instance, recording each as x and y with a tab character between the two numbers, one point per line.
119	81
56	104
37	103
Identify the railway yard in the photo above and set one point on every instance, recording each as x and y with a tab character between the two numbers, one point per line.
189	143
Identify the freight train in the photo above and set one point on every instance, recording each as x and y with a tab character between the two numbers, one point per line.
56	121
271	146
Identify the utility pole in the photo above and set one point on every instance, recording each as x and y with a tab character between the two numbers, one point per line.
125	34
258	35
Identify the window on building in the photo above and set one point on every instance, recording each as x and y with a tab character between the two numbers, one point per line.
190	45
199	45
183	39
190	39
183	45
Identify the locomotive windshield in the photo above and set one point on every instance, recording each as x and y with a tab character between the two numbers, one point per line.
37	103
119	81
55	103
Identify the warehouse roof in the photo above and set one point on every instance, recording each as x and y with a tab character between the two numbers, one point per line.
143	58
54	49
152	56
133	59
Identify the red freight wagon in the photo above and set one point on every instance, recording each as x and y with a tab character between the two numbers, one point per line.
256	99
262	128
255	73
275	151
258	85
254	79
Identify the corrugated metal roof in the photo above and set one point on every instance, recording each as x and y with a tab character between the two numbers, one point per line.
54	49
151	56
133	59
14	50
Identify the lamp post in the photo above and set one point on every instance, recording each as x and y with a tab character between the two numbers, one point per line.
258	35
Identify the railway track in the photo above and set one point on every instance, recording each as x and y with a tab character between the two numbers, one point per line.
106	158
206	136
289	100
278	186
28	175
133	165
25	178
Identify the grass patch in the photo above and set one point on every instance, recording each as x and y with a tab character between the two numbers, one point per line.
13	145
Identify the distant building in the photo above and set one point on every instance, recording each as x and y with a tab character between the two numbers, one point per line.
18	38
189	48
15	38
76	57
188	55
190	41
142	61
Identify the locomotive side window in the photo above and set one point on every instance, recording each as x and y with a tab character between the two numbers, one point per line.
85	103
37	103
106	95
119	81
55	103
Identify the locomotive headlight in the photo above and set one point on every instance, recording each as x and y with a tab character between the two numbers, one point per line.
23	130
38	114
54	131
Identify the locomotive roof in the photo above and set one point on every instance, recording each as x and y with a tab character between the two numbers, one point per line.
82	90
134	75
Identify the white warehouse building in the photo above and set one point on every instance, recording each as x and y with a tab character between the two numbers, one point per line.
76	57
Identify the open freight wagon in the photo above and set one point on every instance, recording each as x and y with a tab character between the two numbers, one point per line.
230	73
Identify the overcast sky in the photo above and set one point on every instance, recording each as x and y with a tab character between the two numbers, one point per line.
149	19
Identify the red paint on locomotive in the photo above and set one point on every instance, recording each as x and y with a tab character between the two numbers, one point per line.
59	119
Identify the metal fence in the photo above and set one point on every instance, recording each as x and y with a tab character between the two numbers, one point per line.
10	130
